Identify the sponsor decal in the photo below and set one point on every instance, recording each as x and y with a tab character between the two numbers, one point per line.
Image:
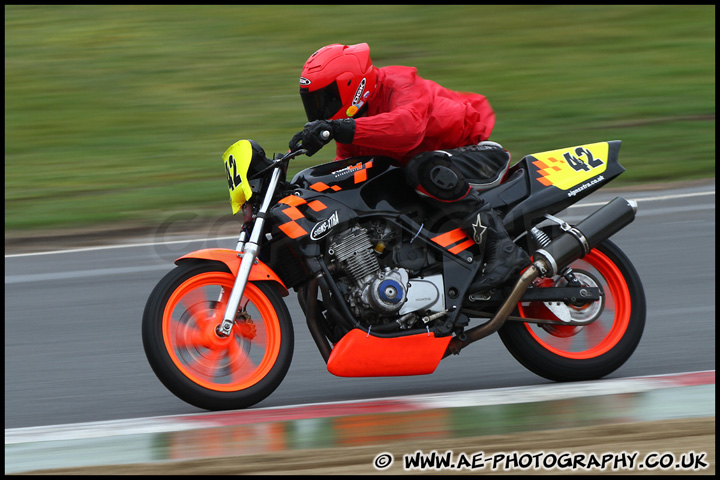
575	191
304	81
348	169
359	91
323	227
358	170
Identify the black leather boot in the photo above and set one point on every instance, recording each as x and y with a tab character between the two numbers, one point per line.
504	258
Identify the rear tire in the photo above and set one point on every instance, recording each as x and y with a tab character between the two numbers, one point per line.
573	353
197	365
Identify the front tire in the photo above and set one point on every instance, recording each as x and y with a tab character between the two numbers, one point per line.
574	353
197	365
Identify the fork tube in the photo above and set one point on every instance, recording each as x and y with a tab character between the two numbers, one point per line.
249	255
241	241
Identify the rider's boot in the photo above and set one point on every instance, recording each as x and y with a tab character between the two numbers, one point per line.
504	258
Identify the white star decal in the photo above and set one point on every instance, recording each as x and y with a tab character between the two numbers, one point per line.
478	230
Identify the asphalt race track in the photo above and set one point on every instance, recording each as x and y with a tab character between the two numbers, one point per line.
73	351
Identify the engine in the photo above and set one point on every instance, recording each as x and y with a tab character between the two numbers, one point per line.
375	290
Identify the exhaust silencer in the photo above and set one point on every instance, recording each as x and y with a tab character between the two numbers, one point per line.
577	241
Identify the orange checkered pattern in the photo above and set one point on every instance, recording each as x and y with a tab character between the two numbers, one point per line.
291	228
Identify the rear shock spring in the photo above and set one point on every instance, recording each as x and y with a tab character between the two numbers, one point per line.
540	237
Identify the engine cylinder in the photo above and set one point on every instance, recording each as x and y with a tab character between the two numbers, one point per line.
353	250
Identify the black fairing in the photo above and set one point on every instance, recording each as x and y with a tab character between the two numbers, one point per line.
332	197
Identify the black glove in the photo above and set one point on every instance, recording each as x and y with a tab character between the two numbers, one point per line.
317	134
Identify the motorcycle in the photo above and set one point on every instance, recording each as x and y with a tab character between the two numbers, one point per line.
384	277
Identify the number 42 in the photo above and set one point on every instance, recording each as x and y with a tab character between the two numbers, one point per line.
233	178
577	164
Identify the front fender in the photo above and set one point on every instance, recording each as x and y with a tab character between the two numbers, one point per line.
259	272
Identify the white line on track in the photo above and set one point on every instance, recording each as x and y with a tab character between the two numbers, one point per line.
150	244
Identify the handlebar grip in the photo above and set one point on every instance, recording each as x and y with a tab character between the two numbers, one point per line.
325	134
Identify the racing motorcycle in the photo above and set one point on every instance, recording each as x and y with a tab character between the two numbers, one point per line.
384	277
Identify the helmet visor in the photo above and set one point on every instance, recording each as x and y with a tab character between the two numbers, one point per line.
321	104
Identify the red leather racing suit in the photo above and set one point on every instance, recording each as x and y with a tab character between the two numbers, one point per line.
409	115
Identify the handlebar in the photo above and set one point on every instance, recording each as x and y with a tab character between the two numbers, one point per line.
279	161
325	135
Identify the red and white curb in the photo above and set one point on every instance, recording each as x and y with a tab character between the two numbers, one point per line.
497	396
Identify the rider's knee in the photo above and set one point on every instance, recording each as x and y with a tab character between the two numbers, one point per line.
432	174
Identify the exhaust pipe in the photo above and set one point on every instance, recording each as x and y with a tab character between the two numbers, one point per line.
575	243
481	331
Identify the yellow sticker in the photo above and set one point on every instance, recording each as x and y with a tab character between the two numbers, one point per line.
569	167
237	162
352	110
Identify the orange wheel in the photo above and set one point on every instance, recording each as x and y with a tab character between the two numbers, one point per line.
611	327
202	367
607	318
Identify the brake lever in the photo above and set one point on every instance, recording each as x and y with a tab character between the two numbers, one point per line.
292	154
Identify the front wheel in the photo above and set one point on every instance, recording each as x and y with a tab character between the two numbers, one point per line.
201	367
612	330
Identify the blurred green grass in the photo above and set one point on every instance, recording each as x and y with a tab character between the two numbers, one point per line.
118	114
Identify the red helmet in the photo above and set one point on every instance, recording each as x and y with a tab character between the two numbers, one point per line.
337	81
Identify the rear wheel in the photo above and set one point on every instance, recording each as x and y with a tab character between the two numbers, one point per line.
201	367
612	326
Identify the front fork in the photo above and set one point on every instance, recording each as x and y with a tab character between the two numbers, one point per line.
249	251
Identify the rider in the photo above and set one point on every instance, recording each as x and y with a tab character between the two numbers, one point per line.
440	136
